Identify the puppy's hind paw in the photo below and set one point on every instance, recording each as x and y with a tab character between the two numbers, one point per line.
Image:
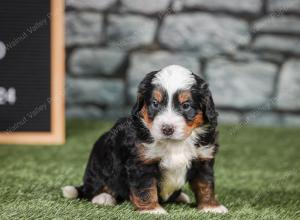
183	198
104	199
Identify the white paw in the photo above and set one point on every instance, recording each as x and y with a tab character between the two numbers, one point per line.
218	209
104	199
184	198
69	192
156	211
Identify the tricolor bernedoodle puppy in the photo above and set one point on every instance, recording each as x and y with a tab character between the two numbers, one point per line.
169	139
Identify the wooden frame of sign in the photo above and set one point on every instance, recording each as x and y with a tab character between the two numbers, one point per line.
57	131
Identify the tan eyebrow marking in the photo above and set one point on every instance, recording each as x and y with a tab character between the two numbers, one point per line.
157	94
184	96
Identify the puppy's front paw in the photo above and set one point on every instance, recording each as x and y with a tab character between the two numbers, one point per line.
156	211
214	209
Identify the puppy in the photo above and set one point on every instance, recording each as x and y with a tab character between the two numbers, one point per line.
169	139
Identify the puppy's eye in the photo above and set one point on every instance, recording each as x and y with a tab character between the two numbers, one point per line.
186	106
155	104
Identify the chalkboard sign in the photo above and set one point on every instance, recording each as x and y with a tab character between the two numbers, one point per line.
31	71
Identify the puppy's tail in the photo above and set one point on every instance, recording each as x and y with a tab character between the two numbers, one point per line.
70	192
73	192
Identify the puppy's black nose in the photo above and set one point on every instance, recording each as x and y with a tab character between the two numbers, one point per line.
167	130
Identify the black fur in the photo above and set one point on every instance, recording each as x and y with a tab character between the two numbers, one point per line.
114	164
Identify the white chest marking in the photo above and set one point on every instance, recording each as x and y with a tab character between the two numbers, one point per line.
176	158
174	165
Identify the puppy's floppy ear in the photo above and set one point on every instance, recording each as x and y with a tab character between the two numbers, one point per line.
206	101
210	113
144	89
138	105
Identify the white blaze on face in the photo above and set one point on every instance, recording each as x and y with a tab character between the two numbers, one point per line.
171	78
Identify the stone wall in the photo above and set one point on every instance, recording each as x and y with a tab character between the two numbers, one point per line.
248	51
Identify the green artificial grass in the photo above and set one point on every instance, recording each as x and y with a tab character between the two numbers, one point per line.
257	177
